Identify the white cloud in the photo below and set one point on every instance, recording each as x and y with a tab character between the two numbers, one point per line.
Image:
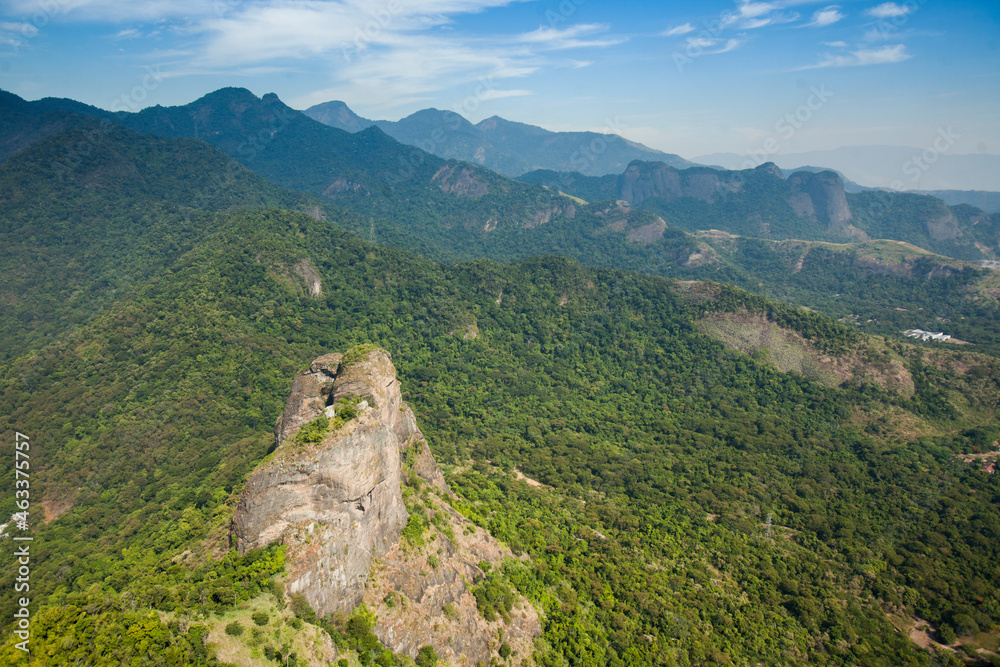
748	9
826	16
701	42
679	30
20	27
730	45
722	46
500	94
836	45
567	38
128	33
888	10
862	57
112	11
751	15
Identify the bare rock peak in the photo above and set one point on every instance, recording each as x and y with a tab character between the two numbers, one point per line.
331	492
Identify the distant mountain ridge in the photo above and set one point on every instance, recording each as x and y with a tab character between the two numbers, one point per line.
896	167
808	204
507	147
988	201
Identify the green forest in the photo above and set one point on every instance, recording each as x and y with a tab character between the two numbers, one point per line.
695	507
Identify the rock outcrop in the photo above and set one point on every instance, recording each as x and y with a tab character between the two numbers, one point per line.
645	180
819	196
337	503
827	199
332	493
457	179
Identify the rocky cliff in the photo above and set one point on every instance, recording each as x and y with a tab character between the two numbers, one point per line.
819	196
645	180
336	501
332	492
827	200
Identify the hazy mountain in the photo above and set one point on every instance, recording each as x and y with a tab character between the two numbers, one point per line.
807	204
896	167
849	185
367	171
338	115
157	409
163	303
987	201
507	147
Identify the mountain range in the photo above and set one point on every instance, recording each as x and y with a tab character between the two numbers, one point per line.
932	167
548	430
504	146
452	210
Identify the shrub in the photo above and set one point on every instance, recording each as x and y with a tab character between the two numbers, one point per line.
234	629
427	657
313	432
302	609
260	618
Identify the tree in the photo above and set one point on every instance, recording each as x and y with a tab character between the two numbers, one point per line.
427	656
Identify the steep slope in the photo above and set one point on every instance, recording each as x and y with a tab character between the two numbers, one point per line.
93	209
337	114
811	204
504	146
595	383
332	493
368	172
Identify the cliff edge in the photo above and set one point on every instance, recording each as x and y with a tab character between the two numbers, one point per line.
332	492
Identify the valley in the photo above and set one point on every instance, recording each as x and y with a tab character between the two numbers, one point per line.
664	416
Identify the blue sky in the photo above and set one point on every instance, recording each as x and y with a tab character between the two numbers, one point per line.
688	78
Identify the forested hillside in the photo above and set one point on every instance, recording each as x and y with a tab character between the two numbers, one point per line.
507	147
450	211
694	506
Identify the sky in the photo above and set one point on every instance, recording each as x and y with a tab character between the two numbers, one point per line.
689	78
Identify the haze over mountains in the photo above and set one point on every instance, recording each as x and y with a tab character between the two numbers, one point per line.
504	146
713	476
896	167
514	149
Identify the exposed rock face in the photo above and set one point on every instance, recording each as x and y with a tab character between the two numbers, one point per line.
342	184
304	269
544	215
826	196
638	184
647	234
642	181
460	180
820	196
338	506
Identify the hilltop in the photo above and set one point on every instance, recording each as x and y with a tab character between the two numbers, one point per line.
721	477
507	147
